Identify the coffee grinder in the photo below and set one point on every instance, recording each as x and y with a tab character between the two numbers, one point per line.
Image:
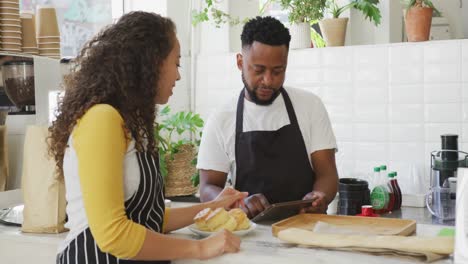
441	199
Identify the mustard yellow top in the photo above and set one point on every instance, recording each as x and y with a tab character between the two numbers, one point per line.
100	144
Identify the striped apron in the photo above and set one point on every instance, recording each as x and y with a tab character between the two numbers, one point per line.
146	207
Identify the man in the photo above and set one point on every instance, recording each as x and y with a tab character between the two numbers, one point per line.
276	143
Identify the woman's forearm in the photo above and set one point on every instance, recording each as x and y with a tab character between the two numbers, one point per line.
163	247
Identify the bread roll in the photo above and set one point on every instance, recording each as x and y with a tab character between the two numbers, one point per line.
217	218
242	220
200	219
230	224
209	220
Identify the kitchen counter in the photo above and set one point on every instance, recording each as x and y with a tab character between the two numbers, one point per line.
259	246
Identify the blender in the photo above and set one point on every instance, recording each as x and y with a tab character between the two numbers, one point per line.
441	199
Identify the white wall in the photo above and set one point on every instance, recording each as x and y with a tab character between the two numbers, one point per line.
465	17
388	103
452	10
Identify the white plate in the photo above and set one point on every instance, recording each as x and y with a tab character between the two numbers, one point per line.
197	231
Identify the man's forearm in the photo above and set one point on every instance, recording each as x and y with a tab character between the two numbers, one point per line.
209	192
327	184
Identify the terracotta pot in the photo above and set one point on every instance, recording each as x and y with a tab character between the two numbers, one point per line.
334	31
418	23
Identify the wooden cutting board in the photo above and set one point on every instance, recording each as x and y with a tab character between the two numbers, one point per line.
372	225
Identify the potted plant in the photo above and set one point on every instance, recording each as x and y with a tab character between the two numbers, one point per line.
334	29
218	16
178	137
418	19
302	13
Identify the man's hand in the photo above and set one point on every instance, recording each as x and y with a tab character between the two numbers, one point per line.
255	204
319	205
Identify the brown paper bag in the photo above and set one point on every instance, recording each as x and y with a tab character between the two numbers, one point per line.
43	189
3	158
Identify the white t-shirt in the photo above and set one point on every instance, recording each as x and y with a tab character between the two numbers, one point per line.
217	149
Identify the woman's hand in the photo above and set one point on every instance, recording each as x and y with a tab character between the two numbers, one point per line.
218	244
230	198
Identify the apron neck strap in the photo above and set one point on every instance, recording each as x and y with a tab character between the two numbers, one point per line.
240	110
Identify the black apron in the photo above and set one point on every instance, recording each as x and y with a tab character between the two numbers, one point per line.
146	207
274	163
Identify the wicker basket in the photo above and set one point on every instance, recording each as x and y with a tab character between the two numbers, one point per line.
179	171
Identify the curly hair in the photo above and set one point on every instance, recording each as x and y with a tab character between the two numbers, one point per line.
120	66
266	30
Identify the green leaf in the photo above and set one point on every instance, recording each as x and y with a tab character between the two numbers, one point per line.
195	179
165	110
369	9
303	11
162	163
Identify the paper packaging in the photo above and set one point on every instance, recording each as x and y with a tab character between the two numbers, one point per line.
43	187
461	222
3	159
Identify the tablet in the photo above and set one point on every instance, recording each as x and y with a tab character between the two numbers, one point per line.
280	211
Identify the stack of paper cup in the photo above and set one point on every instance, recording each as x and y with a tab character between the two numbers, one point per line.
10	25
28	28
48	34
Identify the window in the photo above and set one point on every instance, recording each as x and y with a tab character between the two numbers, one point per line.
78	20
274	10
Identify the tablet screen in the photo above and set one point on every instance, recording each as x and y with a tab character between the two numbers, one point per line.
279	211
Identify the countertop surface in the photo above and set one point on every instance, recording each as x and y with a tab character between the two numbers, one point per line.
259	246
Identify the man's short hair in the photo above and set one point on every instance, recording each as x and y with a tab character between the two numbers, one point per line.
266	30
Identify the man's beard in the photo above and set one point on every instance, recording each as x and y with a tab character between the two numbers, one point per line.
253	94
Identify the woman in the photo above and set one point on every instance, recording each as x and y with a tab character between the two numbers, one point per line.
103	142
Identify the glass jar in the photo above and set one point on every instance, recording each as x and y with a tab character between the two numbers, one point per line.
18	82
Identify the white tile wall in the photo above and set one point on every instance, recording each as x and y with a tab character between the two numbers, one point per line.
406	74
406	113
464	44
433	131
407	151
340	113
340	93
465	92
464	137
465	71
465	60
406	133
345	149
343	131
305	76
370	55
304	59
443	113
442	93
407	53
388	104
464	147
465	112
370	132
442	73
372	113
406	94
336	74
371	93
371	151
370	74
337	56
444	52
